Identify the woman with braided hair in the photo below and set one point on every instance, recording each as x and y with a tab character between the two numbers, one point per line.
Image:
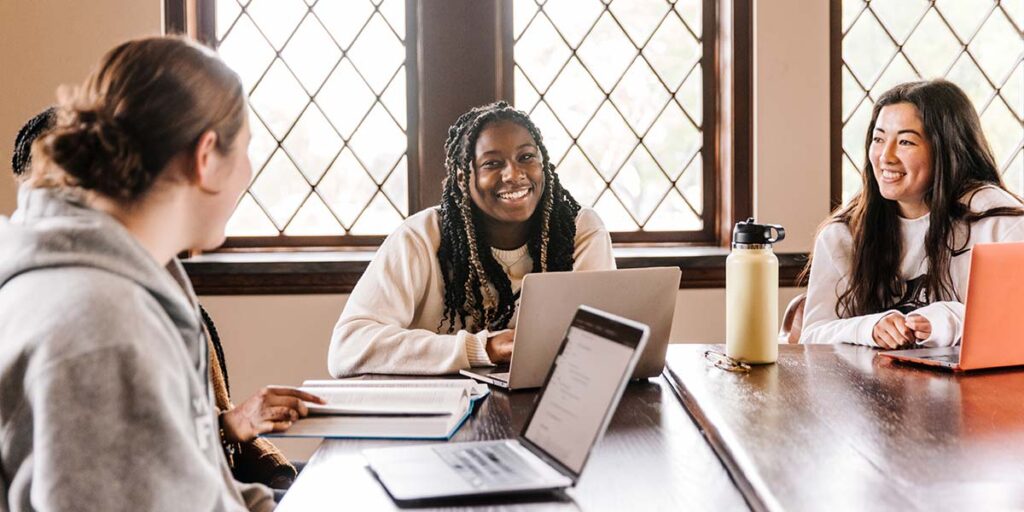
442	291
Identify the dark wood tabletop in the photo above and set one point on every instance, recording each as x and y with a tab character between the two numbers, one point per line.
653	457
835	427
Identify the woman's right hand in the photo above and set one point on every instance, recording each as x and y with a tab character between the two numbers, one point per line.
892	332
499	346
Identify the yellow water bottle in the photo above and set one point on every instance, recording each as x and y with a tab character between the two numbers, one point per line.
752	293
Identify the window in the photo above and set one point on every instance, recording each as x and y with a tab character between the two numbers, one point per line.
977	44
327	93
617	87
617	90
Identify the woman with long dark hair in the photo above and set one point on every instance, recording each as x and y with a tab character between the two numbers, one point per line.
890	269
441	293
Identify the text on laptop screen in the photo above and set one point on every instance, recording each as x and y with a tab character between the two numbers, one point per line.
581	389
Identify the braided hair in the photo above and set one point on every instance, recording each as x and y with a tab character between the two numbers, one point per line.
471	274
43	122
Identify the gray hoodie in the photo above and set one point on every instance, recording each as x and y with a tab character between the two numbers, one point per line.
104	395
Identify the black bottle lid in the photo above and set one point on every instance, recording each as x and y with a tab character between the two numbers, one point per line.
748	232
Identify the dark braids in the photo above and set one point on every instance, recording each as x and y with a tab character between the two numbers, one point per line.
466	261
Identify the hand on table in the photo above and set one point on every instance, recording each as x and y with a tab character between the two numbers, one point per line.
920	325
499	346
892	332
273	409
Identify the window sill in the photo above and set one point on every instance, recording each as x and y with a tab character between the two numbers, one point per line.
270	273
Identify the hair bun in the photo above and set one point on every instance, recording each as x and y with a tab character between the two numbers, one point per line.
98	153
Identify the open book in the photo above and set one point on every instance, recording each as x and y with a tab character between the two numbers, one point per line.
402	409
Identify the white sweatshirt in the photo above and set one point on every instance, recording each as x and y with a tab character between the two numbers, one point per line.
393	318
831	269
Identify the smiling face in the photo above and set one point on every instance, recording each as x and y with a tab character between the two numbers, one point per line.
507	181
901	158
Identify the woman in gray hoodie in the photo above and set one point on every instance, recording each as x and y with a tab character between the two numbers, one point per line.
104	404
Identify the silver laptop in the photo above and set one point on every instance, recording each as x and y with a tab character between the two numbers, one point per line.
598	354
647	295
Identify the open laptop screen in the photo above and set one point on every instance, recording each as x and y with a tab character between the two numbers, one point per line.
583	388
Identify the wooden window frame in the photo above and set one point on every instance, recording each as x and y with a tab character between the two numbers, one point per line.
268	265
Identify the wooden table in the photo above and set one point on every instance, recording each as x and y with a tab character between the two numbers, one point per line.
653	457
833	427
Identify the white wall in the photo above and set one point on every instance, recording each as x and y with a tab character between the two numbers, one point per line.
283	339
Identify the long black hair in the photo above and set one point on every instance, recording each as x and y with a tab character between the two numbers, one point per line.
469	269
962	164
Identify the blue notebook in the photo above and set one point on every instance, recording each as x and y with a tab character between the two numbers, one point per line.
388	409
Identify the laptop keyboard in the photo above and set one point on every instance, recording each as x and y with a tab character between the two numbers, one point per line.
487	464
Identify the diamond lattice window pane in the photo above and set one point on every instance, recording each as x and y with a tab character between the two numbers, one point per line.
964	16
262	144
397	187
967	75
345	98
641	185
994	49
851	10
579	178
573	17
380	216
226	15
377	54
672	52
851	179
613	214
606	52
639	17
394	14
394	98
246	51
313	144
932	47
314	219
277	19
899	16
608	141
646	56
640	96
899	71
249	220
690	95
673	140
540	52
344	19
526	95
378	144
691	185
866	49
1013	91
673	214
1003	131
556	140
1015	9
855	131
311	54
523	11
280	189
346	188
279	99
574	97
853	94
692	12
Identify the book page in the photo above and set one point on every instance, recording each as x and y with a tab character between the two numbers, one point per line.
476	389
389	400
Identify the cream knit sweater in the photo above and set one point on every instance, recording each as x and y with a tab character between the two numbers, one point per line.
392	320
831	267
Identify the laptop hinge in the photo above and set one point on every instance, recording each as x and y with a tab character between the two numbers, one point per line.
549	460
